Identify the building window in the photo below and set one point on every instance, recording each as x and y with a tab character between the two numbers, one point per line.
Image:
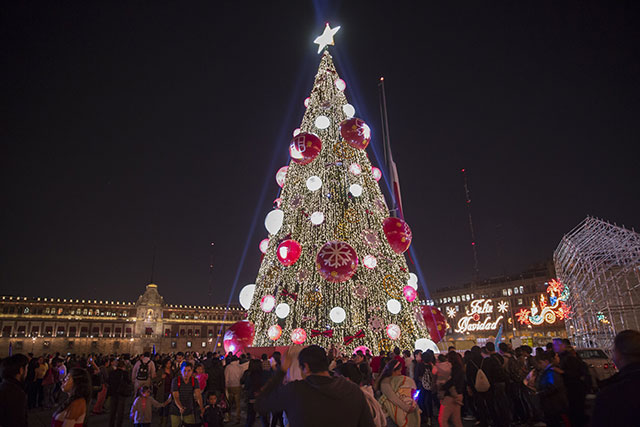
182	332
189	332
148	331
519	301
97	311
90	312
106	332
95	331
504	292
6	331
210	333
22	331
60	332
72	331
522	289
84	311
204	344
127	332
167	332
35	331
174	344
188	344
84	331
48	331
197	332
515	290
509	291
118	332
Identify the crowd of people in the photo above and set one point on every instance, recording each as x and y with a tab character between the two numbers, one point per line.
313	387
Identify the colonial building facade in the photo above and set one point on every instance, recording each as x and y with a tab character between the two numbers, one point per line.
530	307
48	325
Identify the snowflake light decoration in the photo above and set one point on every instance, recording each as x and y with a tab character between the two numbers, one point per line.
336	255
360	291
375	323
503	306
451	312
371	238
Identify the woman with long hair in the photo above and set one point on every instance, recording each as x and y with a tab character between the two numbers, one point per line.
72	412
397	398
164	378
453	392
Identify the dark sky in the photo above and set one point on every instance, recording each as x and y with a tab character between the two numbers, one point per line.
146	124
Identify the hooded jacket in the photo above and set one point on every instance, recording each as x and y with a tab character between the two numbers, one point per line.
316	401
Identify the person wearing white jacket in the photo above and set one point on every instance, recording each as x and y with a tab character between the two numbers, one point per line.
232	375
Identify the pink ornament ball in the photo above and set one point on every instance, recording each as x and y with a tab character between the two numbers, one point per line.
409	293
274	332
238	337
298	336
393	331
376	173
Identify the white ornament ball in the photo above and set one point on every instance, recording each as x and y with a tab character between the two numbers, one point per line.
281	175
425	344
337	315
282	310
314	183
322	122
370	261
355	190
348	110
267	303
246	295
273	221
393	331
376	173
317	218
264	245
394	306
296	131
340	84
355	169
307	101
413	281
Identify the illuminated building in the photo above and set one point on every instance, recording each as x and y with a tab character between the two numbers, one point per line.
47	325
476	311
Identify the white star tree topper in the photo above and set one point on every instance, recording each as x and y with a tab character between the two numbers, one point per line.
326	39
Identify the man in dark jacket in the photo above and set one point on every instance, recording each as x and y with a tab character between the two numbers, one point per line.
617	402
120	388
318	399
575	378
13	399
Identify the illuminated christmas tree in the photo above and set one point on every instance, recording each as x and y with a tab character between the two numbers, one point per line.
333	271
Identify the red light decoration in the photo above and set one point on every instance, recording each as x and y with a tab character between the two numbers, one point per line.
551	310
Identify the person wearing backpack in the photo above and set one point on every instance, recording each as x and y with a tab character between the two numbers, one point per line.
186	393
478	385
492	366
143	371
426	384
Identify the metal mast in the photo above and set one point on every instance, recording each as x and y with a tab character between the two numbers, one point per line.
467	195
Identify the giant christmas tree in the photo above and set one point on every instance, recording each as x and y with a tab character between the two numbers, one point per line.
333	271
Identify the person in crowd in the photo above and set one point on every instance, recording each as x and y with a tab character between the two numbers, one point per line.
617	401
468	408
232	374
426	384
213	416
397	356
441	372
141	411
73	411
201	376
266	366
13	399
516	373
408	363
493	367
253	379
119	389
48	382
353	373
376	364
187	398
397	399
453	392
104	370
551	391
482	400
40	372
277	418
363	366
306	401
143	371
164	380
177	364
575	374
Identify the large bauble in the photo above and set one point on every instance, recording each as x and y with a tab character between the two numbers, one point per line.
304	148
288	252
434	321
398	234
337	261
355	132
239	337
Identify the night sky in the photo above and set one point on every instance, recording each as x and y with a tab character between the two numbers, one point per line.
152	124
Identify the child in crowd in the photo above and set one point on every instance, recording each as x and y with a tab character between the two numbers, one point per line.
141	410
201	376
212	412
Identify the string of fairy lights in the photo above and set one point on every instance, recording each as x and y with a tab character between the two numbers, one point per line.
335	197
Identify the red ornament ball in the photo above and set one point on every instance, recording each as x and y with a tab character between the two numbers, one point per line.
434	321
288	252
337	261
409	293
355	132
304	147
398	234
239	337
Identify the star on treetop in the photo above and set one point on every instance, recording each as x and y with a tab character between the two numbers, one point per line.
326	39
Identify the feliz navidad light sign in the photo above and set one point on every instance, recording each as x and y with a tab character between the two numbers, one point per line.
478	316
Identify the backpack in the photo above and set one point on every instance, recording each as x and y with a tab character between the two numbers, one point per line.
482	383
143	371
427	379
193	383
